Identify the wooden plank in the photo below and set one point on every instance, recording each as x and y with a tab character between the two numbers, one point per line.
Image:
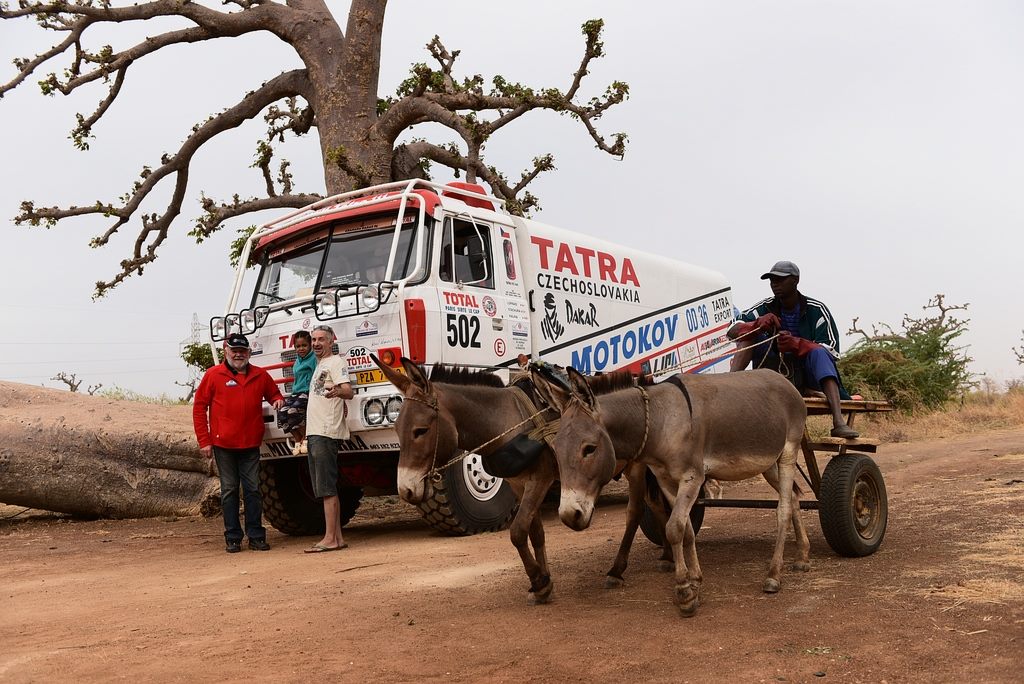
819	406
812	465
836	445
855	442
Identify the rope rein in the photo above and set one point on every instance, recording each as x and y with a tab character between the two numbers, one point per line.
686	363
647	423
435	472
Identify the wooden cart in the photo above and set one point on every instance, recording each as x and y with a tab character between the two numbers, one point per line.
849	494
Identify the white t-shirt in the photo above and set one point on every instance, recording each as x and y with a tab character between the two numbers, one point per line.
325	416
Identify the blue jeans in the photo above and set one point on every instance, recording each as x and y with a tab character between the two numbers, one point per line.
234	466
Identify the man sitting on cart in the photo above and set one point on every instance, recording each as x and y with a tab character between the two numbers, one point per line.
807	344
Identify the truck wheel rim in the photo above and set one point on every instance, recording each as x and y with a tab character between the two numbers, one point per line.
480	484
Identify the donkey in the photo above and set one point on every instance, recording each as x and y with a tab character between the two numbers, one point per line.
455	410
728	427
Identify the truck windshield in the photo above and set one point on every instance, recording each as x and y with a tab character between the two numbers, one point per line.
357	253
290	277
362	257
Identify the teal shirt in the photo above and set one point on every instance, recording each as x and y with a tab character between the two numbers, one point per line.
302	372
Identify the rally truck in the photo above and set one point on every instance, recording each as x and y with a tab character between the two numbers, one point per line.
443	274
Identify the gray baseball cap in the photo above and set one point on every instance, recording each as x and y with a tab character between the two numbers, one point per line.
782	269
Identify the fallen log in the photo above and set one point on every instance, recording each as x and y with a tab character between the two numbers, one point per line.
99	457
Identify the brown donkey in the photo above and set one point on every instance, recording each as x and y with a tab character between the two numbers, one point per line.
728	427
456	410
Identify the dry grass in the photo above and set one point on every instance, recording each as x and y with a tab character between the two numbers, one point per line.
994	560
995	591
979	412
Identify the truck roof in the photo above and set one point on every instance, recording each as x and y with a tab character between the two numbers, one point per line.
379	199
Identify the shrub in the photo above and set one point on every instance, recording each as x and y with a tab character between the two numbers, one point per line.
920	366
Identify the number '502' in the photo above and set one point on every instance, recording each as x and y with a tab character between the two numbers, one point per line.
463	331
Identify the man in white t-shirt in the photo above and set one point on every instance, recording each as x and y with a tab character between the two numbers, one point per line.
325	428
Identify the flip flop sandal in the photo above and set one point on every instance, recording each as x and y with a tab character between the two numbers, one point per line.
320	548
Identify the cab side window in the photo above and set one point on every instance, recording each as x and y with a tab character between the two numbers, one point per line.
466	254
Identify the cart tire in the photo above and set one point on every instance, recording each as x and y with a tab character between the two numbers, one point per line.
466	500
288	502
649	522
854	508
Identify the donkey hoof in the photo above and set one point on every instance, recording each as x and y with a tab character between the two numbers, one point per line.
687	599
666	566
800	566
689	610
771	586
542	595
612	582
688	607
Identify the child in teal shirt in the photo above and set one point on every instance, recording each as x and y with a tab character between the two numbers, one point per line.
292	416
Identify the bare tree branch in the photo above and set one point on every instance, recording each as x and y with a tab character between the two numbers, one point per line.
435	95
191	387
69	379
338	87
450	157
217	214
154	226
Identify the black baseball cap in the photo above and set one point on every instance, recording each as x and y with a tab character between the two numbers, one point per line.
781	269
237	341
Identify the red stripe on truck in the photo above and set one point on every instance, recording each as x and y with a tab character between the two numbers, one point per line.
416	326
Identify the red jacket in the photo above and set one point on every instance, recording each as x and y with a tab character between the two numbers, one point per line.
228	409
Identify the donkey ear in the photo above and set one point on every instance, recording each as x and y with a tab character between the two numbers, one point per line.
581	388
416	375
550	392
397	379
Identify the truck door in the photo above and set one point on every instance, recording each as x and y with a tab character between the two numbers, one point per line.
480	293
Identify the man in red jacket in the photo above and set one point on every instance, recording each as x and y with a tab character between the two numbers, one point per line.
228	419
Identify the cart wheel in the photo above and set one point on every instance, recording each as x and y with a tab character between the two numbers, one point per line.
854	508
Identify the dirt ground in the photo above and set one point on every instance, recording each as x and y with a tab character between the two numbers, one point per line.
158	599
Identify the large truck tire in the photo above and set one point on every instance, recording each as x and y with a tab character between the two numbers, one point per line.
288	502
467	500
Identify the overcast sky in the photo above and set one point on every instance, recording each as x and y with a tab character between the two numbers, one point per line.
878	144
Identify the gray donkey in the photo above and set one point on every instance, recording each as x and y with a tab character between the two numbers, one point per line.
688	428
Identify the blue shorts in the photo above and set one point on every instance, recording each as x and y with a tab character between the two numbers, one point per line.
322	458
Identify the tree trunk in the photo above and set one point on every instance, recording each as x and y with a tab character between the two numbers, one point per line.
99	457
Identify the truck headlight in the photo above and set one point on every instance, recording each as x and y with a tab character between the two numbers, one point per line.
217	329
247	321
392	408
370	297
326	305
373	412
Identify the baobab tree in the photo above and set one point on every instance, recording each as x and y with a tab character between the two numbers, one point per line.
334	96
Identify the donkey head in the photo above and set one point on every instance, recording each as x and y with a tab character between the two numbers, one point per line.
583	449
426	431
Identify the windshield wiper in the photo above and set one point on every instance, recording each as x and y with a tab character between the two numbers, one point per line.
272	296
